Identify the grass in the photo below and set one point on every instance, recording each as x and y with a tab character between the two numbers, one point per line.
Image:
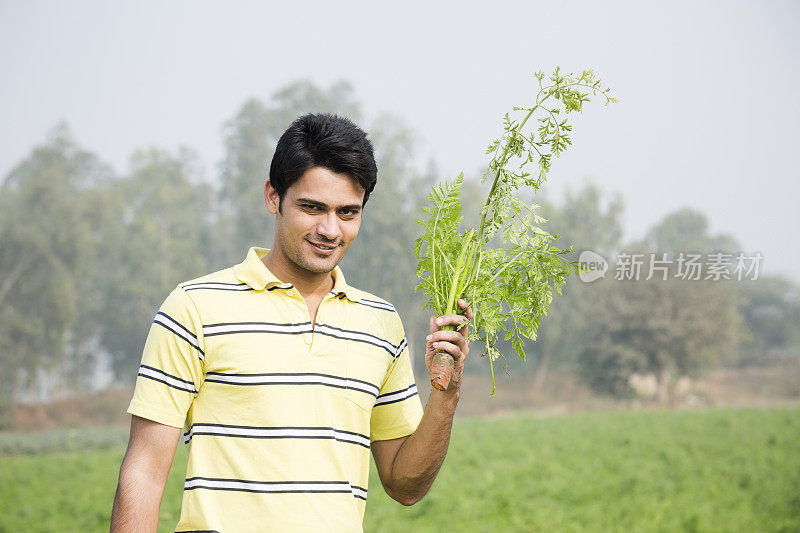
732	470
715	470
72	491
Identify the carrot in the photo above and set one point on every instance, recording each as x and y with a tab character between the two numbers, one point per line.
509	286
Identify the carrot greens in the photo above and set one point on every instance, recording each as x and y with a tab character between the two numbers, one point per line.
507	267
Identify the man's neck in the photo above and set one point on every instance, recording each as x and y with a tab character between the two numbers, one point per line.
310	285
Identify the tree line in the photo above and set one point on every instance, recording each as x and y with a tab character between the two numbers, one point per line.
88	254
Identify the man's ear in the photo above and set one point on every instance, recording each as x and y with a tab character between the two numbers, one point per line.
272	198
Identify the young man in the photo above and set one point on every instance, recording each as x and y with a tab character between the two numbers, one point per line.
283	375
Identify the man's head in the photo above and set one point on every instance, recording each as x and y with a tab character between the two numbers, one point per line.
323	140
320	178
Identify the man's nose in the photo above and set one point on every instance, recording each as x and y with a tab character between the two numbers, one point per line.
329	227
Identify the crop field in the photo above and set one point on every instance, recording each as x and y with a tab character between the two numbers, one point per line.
709	470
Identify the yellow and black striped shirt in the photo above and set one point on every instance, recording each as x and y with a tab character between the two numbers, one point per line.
278	415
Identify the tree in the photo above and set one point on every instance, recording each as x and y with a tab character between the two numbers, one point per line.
669	328
771	309
165	211
666	325
102	213
45	244
583	224
686	230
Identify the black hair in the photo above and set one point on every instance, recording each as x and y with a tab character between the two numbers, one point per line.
323	140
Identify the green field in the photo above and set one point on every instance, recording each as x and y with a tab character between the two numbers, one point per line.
717	470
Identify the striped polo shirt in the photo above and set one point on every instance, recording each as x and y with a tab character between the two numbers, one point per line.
277	415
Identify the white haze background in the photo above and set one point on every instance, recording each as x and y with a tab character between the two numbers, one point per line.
707	116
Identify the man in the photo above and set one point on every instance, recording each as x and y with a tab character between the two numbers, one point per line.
283	375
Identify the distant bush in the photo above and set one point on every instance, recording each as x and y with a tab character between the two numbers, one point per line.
62	440
103	408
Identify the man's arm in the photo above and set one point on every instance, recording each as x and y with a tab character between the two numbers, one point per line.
407	466
142	476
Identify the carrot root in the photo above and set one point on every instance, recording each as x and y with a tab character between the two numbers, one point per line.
442	368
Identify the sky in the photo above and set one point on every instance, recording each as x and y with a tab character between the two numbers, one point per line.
707	115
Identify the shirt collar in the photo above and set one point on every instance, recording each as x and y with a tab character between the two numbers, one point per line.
254	272
340	286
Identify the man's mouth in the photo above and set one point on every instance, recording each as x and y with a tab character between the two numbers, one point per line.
322	248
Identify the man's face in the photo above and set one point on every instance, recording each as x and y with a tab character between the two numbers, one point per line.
318	220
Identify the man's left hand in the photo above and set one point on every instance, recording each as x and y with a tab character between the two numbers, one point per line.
455	343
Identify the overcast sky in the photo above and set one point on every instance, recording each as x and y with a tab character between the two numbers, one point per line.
707	117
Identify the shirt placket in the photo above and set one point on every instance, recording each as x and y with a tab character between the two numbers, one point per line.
326	308
299	315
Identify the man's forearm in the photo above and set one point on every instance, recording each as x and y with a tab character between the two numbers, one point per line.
419	458
136	503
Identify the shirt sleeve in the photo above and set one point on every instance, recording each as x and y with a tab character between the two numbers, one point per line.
398	410
171	372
